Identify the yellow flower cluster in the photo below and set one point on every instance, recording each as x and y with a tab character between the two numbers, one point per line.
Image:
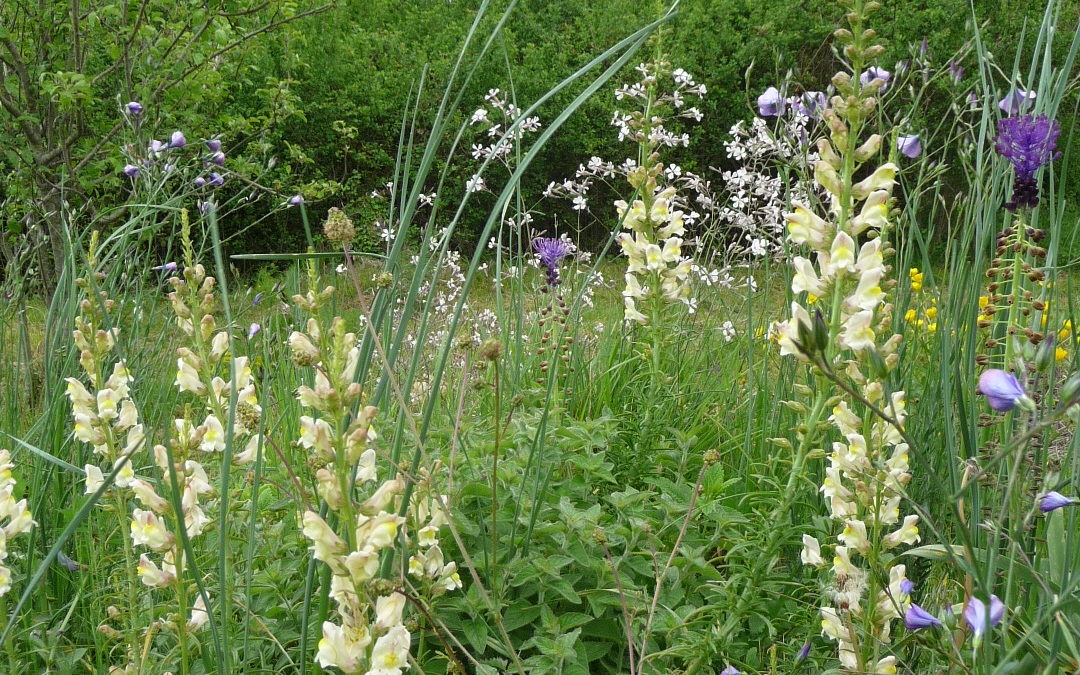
16	513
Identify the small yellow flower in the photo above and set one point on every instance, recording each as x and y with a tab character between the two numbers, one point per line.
1060	354
931	313
1066	329
811	298
932	327
984	300
909	315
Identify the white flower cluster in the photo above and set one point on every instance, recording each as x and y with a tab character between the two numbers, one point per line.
505	125
645	90
16	513
341	446
752	220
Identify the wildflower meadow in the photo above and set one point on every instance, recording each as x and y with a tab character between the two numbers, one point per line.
789	385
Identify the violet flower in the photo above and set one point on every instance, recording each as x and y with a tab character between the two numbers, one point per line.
167	267
67	562
156	147
551	251
771	103
916	618
874	73
1029	143
979	617
809	104
177	140
296	200
253	330
803	653
257	299
214	145
909	146
131	171
218	158
1016	101
200	182
730	670
956	70
134	108
1001	389
906	587
1052	501
215	180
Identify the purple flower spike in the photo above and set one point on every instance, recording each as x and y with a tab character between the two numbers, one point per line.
253	330
1016	101
1052	501
200	182
909	146
1029	143
134	108
214	145
1001	390
551	251
875	73
956	71
916	618
730	670
218	158
131	171
803	653
771	103
979	617
296	200
177	140
215	180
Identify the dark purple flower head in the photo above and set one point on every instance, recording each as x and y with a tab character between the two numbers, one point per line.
214	145
909	146
218	158
1001	390
215	180
875	73
979	616
1029	142
177	140
1052	501
1016	101
551	251
916	617
771	103
200	182
131	171
956	70
134	108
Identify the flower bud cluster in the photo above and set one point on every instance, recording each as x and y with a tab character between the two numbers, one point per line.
841	284
104	416
15	517
653	246
371	636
